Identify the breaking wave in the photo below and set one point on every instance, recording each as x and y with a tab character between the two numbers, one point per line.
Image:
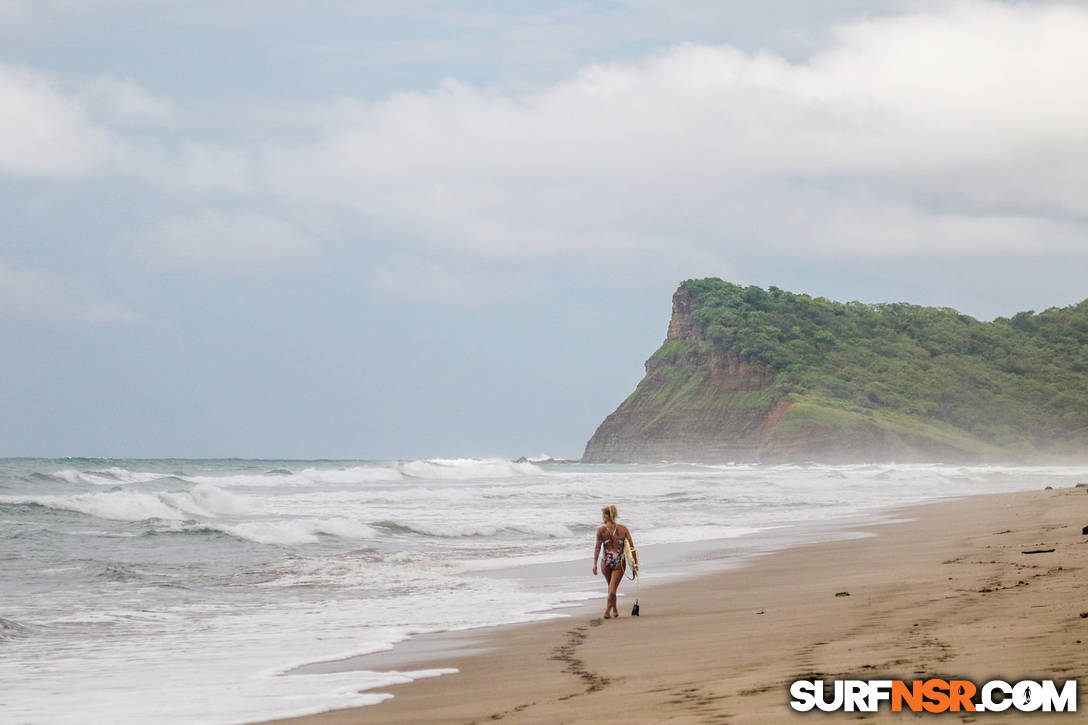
441	469
112	476
297	531
468	468
453	530
128	505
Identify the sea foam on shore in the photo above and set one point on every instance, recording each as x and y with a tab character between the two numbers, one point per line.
131	585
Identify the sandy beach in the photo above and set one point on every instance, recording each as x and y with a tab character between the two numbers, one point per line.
946	592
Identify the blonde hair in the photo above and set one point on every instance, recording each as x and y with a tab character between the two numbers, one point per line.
610	512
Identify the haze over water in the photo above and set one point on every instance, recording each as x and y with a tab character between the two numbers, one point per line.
185	591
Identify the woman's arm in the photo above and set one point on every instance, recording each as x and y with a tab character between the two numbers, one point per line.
634	552
596	551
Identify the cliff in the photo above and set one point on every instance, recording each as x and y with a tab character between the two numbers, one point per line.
747	374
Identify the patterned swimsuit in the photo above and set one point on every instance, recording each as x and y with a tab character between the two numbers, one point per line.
612	559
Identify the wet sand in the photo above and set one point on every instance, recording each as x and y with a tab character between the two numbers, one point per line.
947	593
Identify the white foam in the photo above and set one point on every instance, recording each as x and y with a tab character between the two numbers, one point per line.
356	474
203	699
271	532
450	529
496	563
255	480
344	528
106	477
309	476
204	499
468	468
116	505
233	615
297	531
683	534
350	689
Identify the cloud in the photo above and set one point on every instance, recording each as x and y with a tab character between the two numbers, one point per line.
963	128
950	131
57	127
235	244
124	101
31	294
43	131
62	128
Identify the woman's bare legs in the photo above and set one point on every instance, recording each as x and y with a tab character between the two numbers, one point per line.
607	574
613	587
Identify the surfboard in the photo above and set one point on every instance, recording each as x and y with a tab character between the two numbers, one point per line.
629	559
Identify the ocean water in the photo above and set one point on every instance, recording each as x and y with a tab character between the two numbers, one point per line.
179	591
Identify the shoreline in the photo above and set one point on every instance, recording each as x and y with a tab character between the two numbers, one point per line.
947	592
672	563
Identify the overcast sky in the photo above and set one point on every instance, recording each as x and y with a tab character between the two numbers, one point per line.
341	228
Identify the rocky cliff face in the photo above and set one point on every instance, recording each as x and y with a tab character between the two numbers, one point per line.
702	404
695	404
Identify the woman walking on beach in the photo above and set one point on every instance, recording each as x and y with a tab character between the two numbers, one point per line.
612	536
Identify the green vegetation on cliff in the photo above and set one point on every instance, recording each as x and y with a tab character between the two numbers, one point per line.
1019	383
755	374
